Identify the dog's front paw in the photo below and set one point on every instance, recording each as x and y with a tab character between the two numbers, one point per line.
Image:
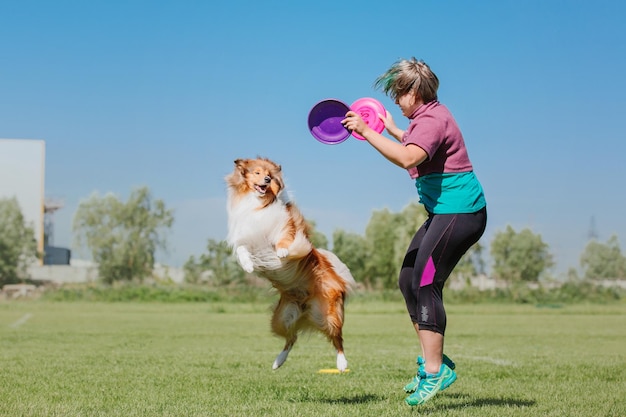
245	260
247	265
282	252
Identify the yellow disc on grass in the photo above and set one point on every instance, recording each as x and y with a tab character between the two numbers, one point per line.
331	371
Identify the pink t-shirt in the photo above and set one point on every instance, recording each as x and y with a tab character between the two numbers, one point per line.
433	129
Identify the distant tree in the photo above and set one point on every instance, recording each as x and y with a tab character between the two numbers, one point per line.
351	248
18	247
381	238
376	258
572	275
122	237
519	257
318	239
193	271
408	221
217	266
603	260
387	237
472	263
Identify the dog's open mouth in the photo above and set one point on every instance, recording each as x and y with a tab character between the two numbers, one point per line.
261	189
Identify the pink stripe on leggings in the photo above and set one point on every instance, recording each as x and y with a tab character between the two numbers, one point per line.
429	273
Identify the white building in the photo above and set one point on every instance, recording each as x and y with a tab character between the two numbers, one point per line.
22	175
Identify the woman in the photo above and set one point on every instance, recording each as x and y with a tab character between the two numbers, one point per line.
433	151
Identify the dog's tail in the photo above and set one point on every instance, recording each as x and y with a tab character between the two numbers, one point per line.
341	269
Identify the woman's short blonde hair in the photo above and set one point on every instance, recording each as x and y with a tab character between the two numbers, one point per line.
407	75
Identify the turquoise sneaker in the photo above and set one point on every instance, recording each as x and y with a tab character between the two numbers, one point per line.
412	386
430	385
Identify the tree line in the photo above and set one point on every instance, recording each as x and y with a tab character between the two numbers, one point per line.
124	236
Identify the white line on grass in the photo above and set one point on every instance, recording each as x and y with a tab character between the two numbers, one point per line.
495	361
22	320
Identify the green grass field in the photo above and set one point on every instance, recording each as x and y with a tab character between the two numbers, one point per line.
144	359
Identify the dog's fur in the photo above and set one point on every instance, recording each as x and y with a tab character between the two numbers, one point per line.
270	237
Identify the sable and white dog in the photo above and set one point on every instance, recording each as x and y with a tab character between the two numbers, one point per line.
269	236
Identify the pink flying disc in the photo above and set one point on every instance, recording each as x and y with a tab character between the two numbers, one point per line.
325	121
369	108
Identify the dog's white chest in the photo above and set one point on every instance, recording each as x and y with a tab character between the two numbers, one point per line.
254	226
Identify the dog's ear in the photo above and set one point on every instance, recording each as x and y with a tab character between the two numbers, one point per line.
275	167
276	185
240	165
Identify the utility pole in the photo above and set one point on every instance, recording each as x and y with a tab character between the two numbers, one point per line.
592	234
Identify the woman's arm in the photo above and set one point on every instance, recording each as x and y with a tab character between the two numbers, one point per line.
400	155
390	126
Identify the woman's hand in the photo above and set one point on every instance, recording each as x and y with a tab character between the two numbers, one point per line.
390	126
354	123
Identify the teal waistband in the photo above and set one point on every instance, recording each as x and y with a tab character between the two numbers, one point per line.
450	193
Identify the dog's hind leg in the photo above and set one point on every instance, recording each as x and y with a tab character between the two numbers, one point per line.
282	356
335	331
329	320
337	341
284	320
335	337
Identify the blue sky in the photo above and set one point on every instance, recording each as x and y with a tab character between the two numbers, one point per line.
168	94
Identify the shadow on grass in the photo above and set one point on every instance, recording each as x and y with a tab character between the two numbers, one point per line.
465	400
357	399
461	401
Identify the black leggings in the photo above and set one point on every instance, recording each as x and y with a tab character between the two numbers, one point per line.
432	255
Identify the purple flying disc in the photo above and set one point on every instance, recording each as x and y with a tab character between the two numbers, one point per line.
325	121
368	108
